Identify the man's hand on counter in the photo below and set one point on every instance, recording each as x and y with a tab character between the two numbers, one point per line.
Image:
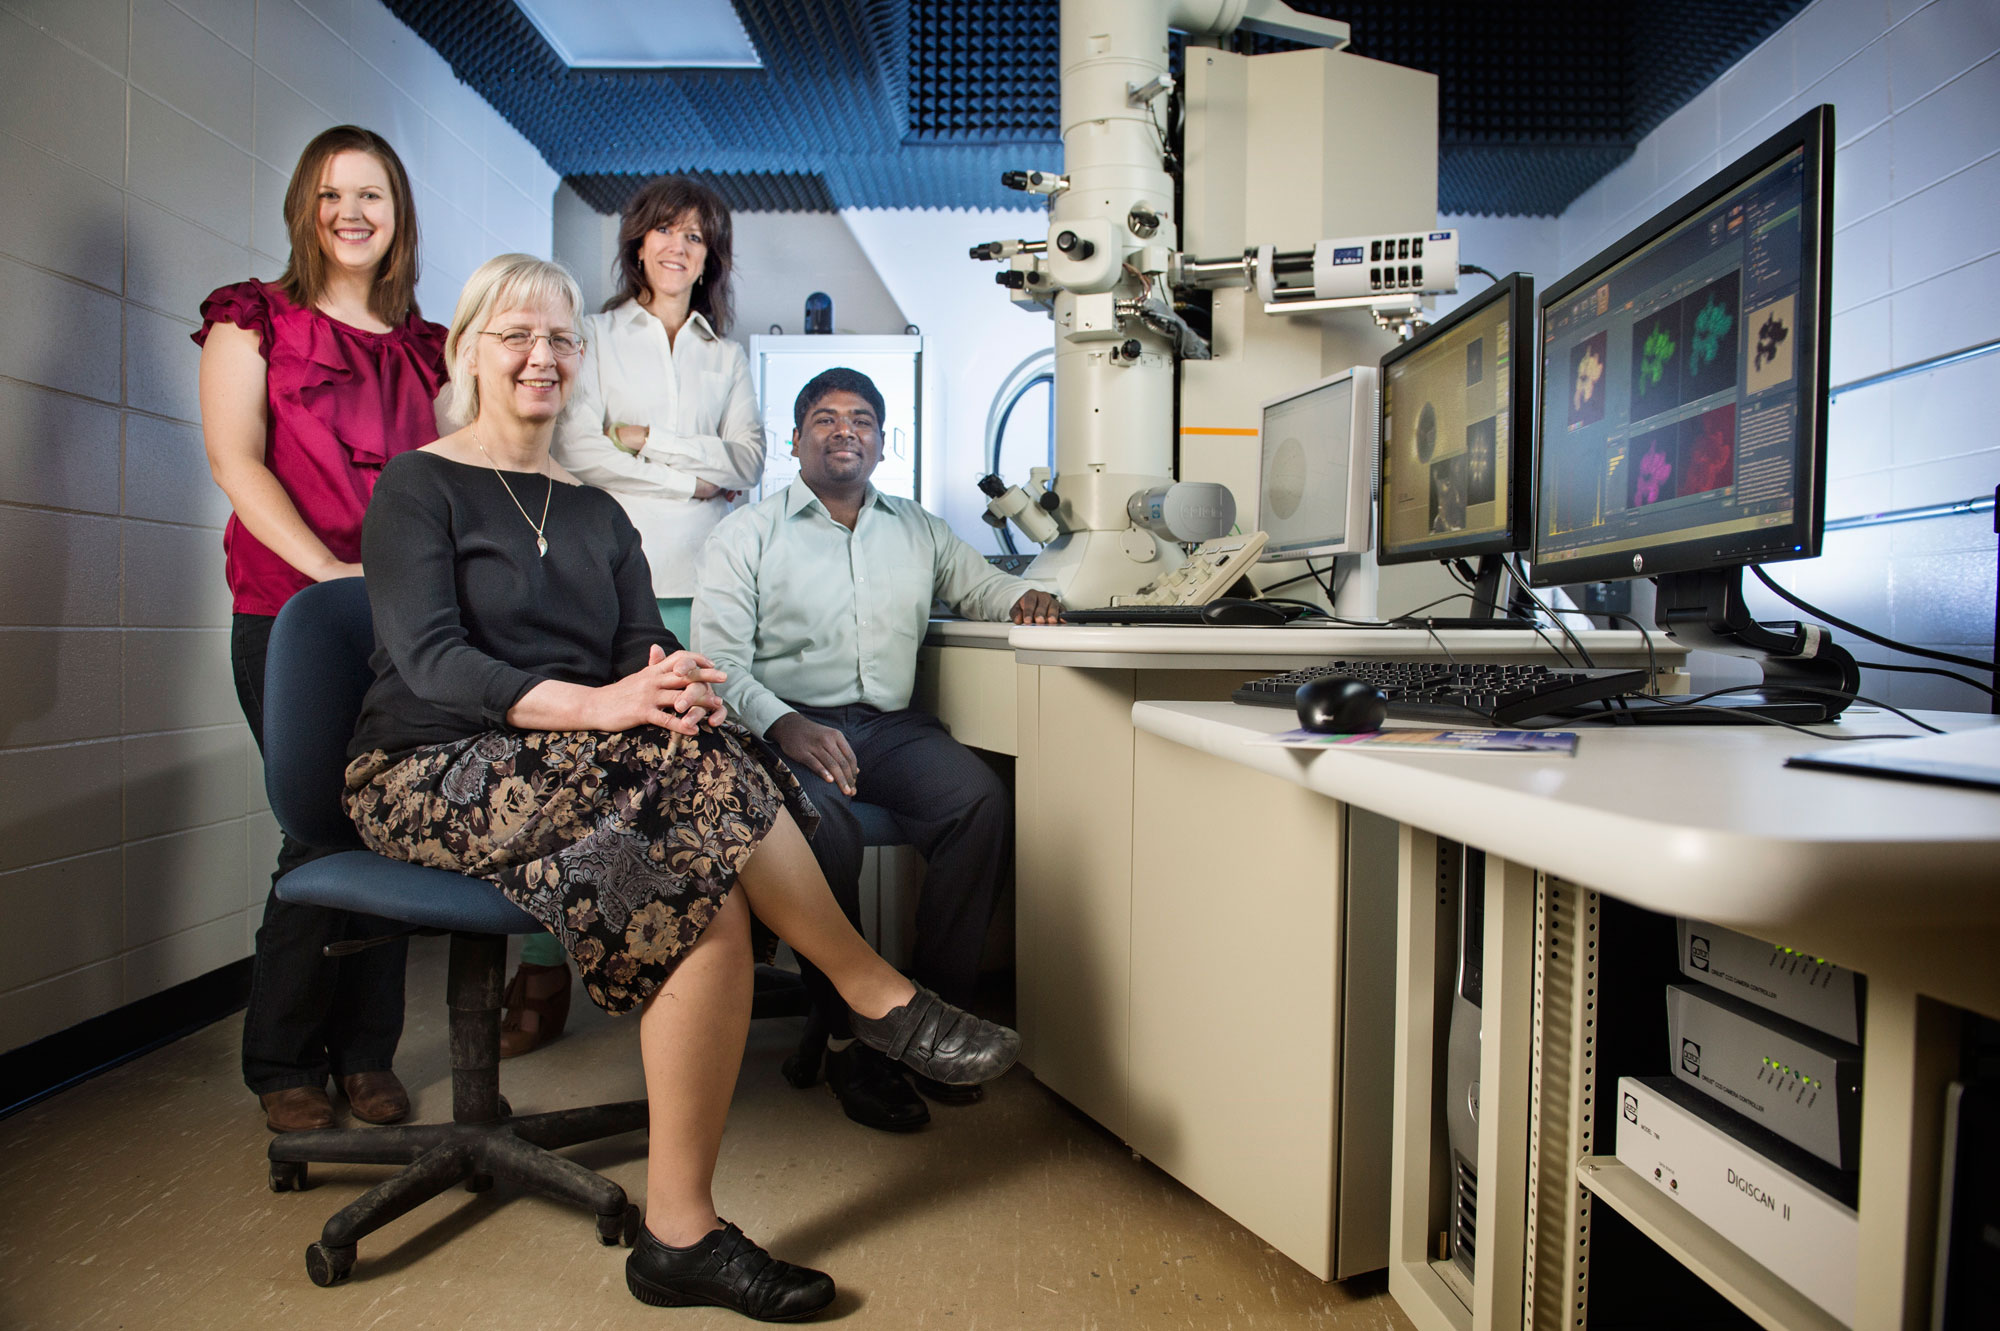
1037	607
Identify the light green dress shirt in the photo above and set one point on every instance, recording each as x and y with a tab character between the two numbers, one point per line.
798	609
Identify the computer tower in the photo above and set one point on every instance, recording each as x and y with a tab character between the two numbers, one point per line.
1462	1061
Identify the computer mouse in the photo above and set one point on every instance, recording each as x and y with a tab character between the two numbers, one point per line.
1235	610
1338	706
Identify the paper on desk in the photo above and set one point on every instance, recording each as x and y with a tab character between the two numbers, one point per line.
1432	741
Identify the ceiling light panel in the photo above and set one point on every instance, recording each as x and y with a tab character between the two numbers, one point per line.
643	34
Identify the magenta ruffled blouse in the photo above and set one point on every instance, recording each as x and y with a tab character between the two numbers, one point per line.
343	401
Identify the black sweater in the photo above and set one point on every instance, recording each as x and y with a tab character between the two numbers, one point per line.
468	617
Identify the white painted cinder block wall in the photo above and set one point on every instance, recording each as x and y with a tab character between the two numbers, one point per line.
1915	86
146	145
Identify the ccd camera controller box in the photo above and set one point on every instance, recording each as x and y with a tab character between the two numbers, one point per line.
1810	990
1791	1079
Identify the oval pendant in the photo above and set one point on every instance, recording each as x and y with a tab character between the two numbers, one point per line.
542	546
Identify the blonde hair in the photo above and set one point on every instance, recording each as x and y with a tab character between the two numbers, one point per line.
503	281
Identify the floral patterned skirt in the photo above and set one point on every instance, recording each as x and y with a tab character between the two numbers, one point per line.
623	845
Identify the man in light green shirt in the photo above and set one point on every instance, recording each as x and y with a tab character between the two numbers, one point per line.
814	602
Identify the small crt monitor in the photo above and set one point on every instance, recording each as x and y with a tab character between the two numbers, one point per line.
1456	461
1317	448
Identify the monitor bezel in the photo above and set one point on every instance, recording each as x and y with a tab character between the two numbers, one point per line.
1364	409
1800	539
1518	289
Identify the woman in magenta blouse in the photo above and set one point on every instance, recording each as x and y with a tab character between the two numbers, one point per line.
308	386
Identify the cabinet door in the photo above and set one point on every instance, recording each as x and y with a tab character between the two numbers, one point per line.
1237	899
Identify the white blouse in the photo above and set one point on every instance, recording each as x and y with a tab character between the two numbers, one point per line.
696	401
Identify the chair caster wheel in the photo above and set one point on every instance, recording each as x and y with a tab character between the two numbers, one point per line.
288	1176
801	1071
506	1110
329	1266
620	1230
478	1182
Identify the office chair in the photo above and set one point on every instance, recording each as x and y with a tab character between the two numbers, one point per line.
315	676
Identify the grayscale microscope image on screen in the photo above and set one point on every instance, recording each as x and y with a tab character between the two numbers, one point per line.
1447	452
1317	452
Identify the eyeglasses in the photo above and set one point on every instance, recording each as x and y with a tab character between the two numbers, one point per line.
520	341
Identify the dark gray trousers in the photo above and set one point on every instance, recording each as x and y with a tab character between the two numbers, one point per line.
959	818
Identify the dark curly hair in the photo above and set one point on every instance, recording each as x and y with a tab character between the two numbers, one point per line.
839	379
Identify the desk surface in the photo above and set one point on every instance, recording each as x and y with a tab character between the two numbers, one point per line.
1703	821
1187	647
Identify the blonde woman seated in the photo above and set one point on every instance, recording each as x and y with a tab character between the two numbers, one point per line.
532	723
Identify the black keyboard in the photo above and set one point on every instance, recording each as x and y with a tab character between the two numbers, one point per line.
1156	614
1458	692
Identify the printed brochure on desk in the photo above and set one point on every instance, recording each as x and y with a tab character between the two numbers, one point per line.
1433	741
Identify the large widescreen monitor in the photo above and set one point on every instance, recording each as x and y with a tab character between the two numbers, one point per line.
1317	447
1683	371
1683	410
1456	462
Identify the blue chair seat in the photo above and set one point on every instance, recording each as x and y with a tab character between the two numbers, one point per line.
878	826
360	880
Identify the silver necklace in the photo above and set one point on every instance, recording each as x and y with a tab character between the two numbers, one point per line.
541	541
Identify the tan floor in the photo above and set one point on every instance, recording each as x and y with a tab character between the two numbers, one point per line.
138	1200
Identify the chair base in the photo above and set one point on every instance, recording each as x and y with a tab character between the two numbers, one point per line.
482	1142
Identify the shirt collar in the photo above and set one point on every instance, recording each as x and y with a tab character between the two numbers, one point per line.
632	312
799	496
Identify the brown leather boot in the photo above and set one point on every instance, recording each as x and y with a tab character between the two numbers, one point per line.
297	1109
532	1019
376	1097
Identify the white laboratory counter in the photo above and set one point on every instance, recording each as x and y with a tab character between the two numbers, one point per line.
1689	820
1893	879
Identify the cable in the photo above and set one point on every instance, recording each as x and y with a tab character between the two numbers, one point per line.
1513	566
1310	572
1475	268
1792	688
1859	632
1929	670
1652	659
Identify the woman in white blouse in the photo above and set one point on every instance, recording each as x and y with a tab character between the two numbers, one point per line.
663	416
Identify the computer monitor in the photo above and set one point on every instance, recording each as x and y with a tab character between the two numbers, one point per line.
1456	465
1683	409
1317	448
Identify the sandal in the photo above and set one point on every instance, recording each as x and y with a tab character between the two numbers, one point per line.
550	1011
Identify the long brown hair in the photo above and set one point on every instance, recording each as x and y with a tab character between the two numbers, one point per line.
656	205
394	295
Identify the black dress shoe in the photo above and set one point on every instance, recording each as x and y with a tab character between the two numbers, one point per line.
873	1091
724	1270
945	1093
931	1037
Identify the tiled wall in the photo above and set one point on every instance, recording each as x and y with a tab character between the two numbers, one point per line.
1916	93
146	145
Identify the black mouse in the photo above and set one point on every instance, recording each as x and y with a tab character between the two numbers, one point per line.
1235	610
1338	706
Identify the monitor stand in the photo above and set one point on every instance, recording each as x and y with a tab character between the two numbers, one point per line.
1486	611
1704	610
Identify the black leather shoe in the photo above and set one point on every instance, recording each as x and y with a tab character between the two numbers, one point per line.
945	1093
725	1270
929	1036
873	1091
